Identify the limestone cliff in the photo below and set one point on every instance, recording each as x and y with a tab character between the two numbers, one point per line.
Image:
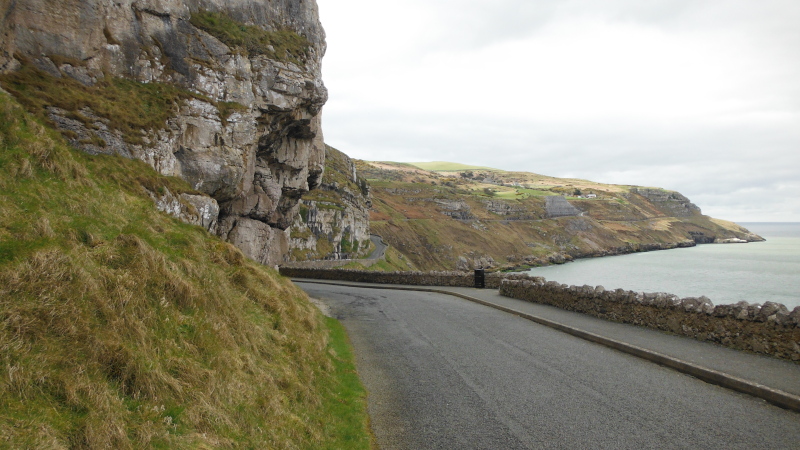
246	94
671	203
334	219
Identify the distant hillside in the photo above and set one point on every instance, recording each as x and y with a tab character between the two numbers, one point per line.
462	217
445	166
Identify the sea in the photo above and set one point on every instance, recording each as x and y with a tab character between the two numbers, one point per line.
755	272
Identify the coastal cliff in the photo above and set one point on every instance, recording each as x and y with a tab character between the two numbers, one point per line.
226	95
334	219
464	219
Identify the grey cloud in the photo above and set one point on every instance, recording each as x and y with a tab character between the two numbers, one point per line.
702	163
742	160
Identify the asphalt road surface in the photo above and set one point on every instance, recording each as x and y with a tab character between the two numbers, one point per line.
380	247
444	373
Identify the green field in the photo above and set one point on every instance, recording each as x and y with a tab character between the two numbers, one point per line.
444	166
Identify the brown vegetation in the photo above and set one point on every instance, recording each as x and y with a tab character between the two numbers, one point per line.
123	328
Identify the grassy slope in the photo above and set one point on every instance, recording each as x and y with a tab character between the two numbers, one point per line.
405	215
281	45
445	166
122	328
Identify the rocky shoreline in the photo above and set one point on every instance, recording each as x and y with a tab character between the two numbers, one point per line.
563	258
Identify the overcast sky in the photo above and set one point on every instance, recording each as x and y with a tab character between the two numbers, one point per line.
699	96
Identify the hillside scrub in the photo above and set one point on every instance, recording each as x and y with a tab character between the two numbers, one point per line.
121	327
127	106
282	45
437	226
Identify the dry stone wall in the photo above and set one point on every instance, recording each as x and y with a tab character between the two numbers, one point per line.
769	328
443	278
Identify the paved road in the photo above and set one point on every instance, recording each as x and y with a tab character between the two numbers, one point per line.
446	373
380	247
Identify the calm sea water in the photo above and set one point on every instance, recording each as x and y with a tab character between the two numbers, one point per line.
726	273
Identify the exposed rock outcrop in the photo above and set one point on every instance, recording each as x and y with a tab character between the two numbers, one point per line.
671	203
334	219
508	210
249	134
457	209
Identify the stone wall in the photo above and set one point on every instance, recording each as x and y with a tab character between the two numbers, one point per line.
558	206
444	278
769	328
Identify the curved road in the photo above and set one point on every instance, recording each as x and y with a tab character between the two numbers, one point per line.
380	247
446	373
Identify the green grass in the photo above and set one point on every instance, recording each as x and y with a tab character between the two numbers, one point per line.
444	166
282	45
534	193
337	170
394	261
121	327
132	108
226	109
509	195
320	195
125	105
345	396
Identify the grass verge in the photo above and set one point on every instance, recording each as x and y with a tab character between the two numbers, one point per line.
121	327
345	398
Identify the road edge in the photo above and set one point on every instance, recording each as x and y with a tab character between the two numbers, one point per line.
774	396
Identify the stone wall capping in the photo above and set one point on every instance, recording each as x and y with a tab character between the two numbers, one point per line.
599	289
769	328
795	316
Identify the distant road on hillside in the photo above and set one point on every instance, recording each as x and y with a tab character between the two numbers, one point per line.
446	373
380	247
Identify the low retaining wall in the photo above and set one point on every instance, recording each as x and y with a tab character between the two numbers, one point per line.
769	328
445	278
324	263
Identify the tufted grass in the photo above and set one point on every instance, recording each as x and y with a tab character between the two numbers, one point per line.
121	327
125	105
282	45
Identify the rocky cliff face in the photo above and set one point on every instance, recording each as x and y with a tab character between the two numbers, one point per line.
671	203
247	132
334	219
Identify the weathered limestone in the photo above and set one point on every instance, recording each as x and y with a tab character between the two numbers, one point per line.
457	209
256	162
334	222
198	210
670	202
